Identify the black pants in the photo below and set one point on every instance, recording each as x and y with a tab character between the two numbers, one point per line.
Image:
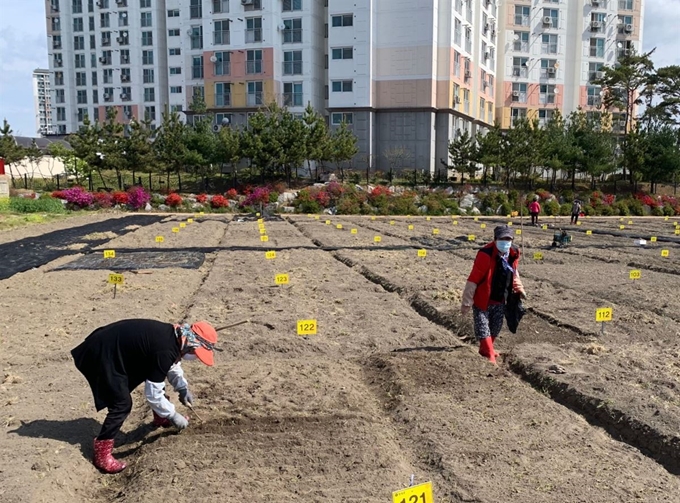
116	416
574	218
534	218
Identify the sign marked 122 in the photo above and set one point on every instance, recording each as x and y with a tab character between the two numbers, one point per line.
422	493
306	327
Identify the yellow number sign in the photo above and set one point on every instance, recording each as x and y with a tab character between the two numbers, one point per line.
422	493
483	226
603	314
635	274
410	227
202	213
476	219
257	214
544	227
677	231
160	239
339	226
435	231
589	233
621	227
455	222
372	218
665	253
472	237
263	231
428	218
377	239
109	254
578	223
270	255
317	217
264	238
175	230
422	253
538	256
182	225
328	222
353	231
652	239
510	223
306	327
518	232
260	220
190	220
665	219
630	222
391	222
116	279
281	279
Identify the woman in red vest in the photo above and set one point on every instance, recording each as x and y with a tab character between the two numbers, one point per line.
494	276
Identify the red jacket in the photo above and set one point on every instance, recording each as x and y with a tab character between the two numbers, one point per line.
534	207
483	269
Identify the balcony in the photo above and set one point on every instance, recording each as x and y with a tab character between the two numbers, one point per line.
223	100
221	37
253	67
253	35
255	99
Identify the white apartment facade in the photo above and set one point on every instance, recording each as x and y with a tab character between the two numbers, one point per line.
42	102
553	50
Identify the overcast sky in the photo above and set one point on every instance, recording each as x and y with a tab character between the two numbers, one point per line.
23	48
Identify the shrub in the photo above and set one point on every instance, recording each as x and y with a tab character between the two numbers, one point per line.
119	197
201	198
78	197
403	204
621	208
58	194
173	200
219	202
607	211
26	205
349	205
103	199
306	203
657	211
635	207
138	197
552	208
668	210
232	194
273	197
565	209
260	195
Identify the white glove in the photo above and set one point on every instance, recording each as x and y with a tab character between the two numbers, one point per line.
179	421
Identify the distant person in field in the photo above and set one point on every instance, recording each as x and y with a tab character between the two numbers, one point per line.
494	276
534	210
117	358
575	211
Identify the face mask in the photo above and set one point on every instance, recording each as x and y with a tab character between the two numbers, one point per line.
503	246
189	357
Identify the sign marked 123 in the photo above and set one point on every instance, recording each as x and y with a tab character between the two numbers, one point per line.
281	279
306	327
422	493
603	314
109	254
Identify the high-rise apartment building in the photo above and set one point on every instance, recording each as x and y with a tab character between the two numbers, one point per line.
42	102
553	50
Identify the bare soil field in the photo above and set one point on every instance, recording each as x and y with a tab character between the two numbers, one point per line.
389	387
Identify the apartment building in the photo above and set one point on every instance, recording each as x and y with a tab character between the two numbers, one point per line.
553	50
42	102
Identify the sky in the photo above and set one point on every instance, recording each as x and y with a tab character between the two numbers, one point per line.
23	48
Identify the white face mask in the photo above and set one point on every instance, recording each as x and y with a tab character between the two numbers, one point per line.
503	246
189	357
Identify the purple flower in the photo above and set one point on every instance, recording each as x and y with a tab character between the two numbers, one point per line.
138	197
77	196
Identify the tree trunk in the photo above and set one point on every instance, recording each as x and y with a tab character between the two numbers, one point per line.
573	179
179	181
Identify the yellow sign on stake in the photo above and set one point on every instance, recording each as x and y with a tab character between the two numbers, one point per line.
190	220
652	239
263	231
391	222
257	214
518	232
578	223
472	237
630	222
175	230
435	231
422	493
476	219
317	217
260	220
603	314
677	231
306	327
339	226
353	231
281	279
589	233
109	254
270	255
428	218
410	227
328	222
264	238
116	279
510	223
377	239
372	218
182	225
422	253
665	253
455	222
160	239
482	226
544	227
538	255
621	227
635	274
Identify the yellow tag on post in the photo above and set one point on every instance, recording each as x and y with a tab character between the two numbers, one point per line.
410	227
270	255
544	227
202	213
510	224
353	231
281	279
621	227
116	279
377	239
482	226
589	233
422	493
435	231
652	239
190	220
422	253
391	222
317	217
182	225
257	214
175	230
263	231
109	254
455	222
578	223
603	314
538	256
264	238
665	253
518	232
630	222
635	274
260	220
339	226
428	218
328	222
306	327
372	218
472	237
476	219
160	239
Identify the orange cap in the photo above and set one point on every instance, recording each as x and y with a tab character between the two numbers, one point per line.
206	332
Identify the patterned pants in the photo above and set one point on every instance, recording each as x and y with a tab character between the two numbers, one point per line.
489	322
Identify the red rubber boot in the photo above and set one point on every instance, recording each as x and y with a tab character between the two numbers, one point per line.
493	341
486	349
103	458
161	422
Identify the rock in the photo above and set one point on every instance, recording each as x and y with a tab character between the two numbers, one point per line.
232	203
449	191
40	466
475	211
288	209
148	207
422	209
557	369
468	201
359	188
162	207
286	197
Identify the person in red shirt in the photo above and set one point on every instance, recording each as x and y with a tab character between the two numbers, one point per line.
494	276
534	210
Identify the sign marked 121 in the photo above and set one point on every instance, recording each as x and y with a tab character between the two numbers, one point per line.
422	493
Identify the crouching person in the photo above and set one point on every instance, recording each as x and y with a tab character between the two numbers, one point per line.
117	358
494	275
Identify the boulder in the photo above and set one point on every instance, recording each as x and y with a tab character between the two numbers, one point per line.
162	207
422	209
468	201
286	197
475	211
288	209
148	207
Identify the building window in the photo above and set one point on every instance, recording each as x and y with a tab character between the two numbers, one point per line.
126	93
255	94
106	57
482	108
123	37
546	94
255	5
78	43
222	65
175	70
197	37
125	75
554	15
195	9
544	115
221	32
254	29
147	57
58	78
81	79
597	47
104	4
522	13
519	92
338	118
548	68
254	61
91	23
125	56
222	94
292	94
176	108
342	53
468	40
197	67
95	97
291	5
292	32
61	113
597	21
521	43
148	76
625	4
149	94
517	114
292	63
93	42
548	44
108	76
173	13
491	81
175	51
173	32
106	38
520	67
122	19
59	96
625	24
146	19
77	24
594	94
80	60
147	38
145	4
458	32
150	113
175	89
220	6
104	20
56	41
342	20
342	86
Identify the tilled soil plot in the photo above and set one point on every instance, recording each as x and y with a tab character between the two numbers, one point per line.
347	415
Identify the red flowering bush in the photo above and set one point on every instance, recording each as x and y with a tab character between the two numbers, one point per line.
120	197
173	200
232	194
260	195
380	190
103	199
219	202
335	189
608	199
646	199
58	194
201	198
543	194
